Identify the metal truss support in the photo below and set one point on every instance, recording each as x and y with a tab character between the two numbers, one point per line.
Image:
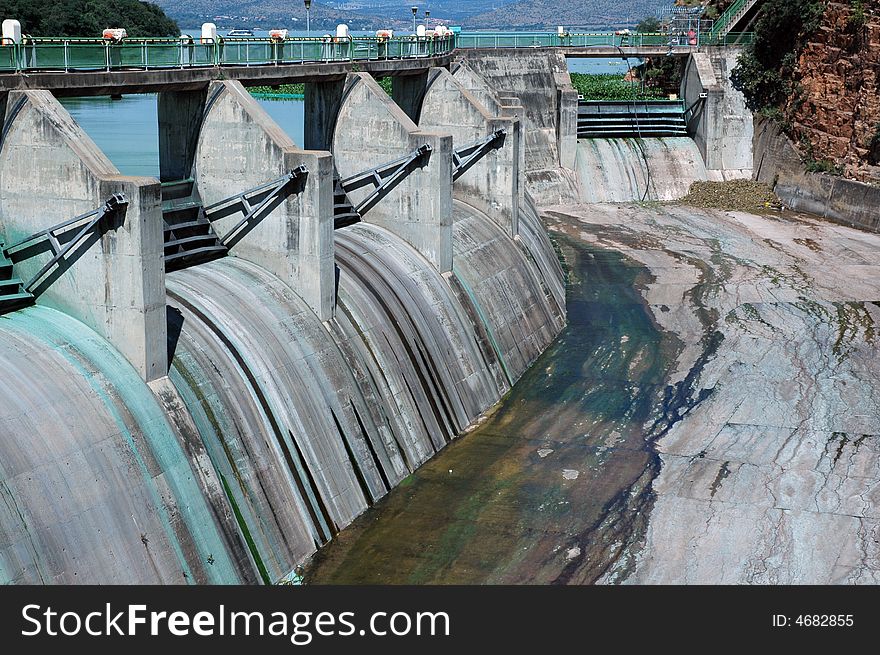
384	178
467	156
59	252
271	192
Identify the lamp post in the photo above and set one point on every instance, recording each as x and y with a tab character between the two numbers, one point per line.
415	10
308	4
427	16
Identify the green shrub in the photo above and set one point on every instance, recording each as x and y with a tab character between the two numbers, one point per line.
858	19
281	89
823	166
611	87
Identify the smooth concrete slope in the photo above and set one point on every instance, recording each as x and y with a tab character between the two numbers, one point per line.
371	130
95	484
239	148
540	81
721	124
113	281
628	170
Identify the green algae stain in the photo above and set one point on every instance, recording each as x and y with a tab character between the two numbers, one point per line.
504	503
242	524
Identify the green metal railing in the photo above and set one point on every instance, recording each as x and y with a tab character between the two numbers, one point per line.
556	40
725	18
494	40
68	54
731	38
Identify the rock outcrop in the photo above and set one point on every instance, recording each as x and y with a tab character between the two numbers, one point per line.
835	116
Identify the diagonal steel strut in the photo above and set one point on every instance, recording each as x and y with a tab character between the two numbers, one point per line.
111	206
278	189
384	178
467	156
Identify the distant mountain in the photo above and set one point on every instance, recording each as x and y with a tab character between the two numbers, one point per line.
592	14
372	14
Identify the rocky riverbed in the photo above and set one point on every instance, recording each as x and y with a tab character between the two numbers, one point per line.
710	415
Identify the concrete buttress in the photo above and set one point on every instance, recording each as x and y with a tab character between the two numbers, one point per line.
114	280
492	185
240	147
371	131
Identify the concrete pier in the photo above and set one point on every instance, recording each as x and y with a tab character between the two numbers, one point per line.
540	80
114	282
240	147
721	125
492	185
372	130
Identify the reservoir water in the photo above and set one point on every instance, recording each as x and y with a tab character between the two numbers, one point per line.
127	129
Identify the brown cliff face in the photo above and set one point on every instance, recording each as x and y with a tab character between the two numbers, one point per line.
836	116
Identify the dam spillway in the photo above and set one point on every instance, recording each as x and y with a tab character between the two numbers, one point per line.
219	422
224	421
706	417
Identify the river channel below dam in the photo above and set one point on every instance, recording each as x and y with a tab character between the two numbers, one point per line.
709	415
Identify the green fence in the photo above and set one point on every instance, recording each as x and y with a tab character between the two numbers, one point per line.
598	39
53	54
725	18
64	54
556	40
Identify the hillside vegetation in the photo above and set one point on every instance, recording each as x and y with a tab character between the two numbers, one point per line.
536	14
528	14
88	17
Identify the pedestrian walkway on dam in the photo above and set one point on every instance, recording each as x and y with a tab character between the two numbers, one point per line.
95	66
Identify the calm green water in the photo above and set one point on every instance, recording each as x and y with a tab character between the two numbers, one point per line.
127	130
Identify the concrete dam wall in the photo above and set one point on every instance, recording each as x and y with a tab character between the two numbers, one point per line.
218	422
627	170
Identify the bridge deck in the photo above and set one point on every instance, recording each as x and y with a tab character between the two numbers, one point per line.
95	83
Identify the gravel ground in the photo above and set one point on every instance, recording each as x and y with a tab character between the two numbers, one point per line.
740	195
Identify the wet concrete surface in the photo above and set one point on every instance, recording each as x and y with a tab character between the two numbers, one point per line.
708	416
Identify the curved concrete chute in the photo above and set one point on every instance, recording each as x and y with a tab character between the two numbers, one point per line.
504	285
262	376
414	339
96	484
533	237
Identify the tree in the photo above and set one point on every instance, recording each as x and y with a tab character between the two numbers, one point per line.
765	72
88	18
648	25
